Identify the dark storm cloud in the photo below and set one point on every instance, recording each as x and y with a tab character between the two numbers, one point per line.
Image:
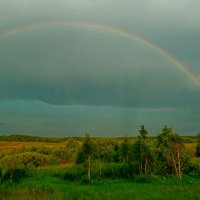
76	66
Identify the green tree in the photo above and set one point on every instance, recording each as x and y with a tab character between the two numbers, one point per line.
198	145
171	147
143	133
88	148
71	149
142	153
125	149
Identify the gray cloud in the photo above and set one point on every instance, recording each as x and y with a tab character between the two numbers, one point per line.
89	67
78	66
35	117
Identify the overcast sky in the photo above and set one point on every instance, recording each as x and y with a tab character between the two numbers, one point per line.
61	80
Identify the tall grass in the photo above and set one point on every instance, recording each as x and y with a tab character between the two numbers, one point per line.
47	185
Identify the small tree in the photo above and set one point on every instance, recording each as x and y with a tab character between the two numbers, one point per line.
143	133
125	149
88	148
142	152
71	149
171	146
198	145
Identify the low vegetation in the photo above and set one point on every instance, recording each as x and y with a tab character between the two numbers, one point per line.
101	166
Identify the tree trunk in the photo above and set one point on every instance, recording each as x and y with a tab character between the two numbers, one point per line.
89	167
145	166
174	162
141	167
100	168
179	164
11	176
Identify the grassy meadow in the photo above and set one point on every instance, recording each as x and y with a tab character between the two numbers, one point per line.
49	170
46	184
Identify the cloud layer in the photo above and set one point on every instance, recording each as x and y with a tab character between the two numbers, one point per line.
81	67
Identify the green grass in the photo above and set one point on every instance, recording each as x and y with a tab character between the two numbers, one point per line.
48	185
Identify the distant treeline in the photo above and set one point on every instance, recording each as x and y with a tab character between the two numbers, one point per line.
30	138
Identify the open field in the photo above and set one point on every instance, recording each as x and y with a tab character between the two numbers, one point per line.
191	147
47	185
15	146
12	147
53	174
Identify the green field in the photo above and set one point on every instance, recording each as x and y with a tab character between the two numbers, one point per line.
47	184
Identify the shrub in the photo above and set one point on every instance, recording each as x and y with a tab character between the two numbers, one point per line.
145	179
75	173
13	175
81	157
192	169
198	149
85	180
127	170
187	139
111	170
26	160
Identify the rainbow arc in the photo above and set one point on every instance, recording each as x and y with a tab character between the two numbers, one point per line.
109	28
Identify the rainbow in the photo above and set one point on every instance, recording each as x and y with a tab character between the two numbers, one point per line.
122	32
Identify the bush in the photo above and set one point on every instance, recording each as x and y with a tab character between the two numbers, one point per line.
75	173
111	170
85	180
81	157
41	150
26	160
198	149
13	175
188	139
141	179
127	170
192	169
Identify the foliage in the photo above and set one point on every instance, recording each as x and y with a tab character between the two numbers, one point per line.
198	145
198	149
81	157
88	147
188	139
144	156
143	132
98	159
74	173
171	148
71	149
13	175
142	152
26	160
125	149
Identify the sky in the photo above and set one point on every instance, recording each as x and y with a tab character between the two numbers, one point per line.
105	67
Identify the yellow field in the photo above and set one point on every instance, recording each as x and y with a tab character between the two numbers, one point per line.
56	167
190	148
13	147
